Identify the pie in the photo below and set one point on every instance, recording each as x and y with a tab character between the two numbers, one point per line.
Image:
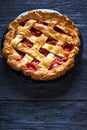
41	44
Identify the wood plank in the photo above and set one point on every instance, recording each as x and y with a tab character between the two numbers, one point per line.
43	115
56	112
70	87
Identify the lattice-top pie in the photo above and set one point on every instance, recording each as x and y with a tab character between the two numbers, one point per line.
41	44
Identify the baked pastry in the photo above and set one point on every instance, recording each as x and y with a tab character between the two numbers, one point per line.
41	44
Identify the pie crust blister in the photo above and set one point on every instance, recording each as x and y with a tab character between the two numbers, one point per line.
41	44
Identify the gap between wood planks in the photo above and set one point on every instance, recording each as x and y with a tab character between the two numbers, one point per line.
42	100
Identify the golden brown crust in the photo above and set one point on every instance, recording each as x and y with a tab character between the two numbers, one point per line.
71	36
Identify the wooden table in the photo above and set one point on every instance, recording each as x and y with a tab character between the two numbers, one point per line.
56	105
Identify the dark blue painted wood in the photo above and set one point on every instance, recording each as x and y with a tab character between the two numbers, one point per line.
43	115
66	98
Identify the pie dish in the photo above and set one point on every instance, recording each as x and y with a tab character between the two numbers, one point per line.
41	44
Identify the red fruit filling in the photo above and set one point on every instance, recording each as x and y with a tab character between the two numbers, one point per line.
23	22
54	65
51	41
58	61
44	51
31	66
35	32
22	54
35	61
19	59
41	22
27	42
15	34
67	47
60	30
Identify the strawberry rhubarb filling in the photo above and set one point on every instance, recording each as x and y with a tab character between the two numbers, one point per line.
67	47
32	66
27	42
57	62
35	32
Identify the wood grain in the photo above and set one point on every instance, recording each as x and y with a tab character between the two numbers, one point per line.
43	115
57	105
